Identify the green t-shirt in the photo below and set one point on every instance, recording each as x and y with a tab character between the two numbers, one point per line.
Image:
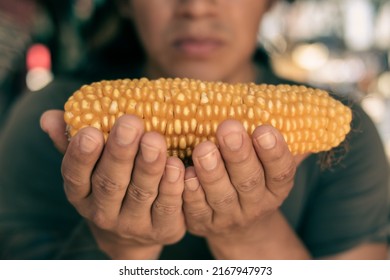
331	210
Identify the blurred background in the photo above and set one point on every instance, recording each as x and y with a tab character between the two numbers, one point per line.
343	45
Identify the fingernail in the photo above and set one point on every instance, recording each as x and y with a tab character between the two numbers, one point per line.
87	144
233	141
125	134
267	140
172	173
149	153
209	161
191	184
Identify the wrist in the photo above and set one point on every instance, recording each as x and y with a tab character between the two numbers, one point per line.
132	252
124	249
234	244
269	238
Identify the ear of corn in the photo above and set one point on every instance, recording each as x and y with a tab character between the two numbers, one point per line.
188	112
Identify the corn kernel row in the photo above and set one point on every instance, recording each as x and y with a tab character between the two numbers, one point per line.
188	111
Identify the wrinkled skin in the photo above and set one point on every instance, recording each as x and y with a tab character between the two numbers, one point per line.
135	197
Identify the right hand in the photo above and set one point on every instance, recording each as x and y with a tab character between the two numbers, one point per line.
127	189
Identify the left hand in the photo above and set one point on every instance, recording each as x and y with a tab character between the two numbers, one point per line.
234	188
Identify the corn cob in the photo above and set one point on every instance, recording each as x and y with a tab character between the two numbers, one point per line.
188	112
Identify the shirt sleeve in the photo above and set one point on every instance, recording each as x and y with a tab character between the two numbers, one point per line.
36	220
349	206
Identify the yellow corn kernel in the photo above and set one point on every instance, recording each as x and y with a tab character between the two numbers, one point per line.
188	111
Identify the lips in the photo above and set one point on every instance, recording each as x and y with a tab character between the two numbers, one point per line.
197	47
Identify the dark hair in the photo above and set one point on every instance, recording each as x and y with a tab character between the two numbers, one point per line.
111	43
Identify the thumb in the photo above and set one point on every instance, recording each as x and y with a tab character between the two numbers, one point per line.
301	157
52	122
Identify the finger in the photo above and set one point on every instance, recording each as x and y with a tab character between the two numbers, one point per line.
197	211
78	164
167	208
212	175
52	122
244	168
147	172
278	162
300	158
113	172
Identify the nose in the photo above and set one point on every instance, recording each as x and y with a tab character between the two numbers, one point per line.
196	8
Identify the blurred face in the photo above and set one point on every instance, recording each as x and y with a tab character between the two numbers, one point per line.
202	39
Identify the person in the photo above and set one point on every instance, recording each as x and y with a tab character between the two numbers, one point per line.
247	198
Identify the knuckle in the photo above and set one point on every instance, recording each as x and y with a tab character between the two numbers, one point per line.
70	178
198	220
106	185
250	183
225	201
198	214
286	175
138	194
165	209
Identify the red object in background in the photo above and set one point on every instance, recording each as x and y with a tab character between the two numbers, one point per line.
38	56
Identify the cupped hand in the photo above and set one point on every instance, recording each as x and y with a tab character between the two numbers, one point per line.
127	189
235	187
